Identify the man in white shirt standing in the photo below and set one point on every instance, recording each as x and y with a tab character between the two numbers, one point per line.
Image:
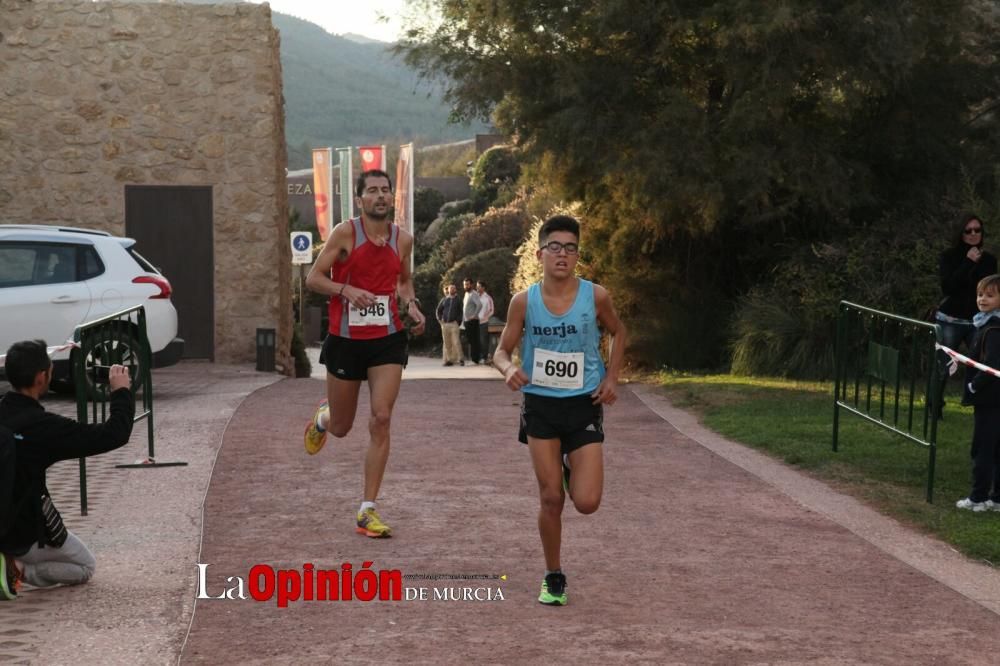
485	312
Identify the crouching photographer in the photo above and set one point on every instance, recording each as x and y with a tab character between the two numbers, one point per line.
35	546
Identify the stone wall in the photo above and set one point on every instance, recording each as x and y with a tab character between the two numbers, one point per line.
98	95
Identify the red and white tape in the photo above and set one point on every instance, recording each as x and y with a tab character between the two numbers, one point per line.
49	350
965	360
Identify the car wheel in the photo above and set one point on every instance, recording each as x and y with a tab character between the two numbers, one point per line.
121	347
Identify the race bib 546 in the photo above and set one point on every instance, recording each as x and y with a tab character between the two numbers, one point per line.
376	314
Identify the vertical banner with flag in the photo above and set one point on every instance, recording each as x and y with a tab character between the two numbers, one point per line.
346	184
404	191
323	189
372	157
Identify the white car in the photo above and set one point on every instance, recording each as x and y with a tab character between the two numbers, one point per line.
54	278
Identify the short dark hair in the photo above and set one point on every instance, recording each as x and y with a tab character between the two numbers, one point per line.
481	282
359	187
25	360
559	223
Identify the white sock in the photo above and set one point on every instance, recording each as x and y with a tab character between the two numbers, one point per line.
323	420
365	506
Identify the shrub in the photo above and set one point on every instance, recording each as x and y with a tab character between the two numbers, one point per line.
495	267
303	366
528	270
452	208
427	201
497	227
445	228
787	327
427	285
495	168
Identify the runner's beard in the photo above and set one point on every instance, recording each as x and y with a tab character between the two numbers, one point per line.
374	214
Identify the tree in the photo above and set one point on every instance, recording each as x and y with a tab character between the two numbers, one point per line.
709	141
496	168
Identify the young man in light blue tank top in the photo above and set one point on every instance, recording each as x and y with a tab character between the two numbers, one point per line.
565	385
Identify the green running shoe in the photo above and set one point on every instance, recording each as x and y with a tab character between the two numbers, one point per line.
10	579
553	590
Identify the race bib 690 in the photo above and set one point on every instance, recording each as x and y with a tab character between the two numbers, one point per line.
376	314
557	369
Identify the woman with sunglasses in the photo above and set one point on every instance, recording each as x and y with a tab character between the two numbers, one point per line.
961	268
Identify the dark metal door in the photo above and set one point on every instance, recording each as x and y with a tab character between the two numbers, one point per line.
172	226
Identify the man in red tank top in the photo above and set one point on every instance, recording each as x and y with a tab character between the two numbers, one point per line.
364	268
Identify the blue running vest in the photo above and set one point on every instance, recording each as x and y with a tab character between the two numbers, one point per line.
561	355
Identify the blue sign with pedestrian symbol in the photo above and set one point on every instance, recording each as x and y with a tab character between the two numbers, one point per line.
302	247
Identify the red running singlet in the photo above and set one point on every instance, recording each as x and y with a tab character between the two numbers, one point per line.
374	268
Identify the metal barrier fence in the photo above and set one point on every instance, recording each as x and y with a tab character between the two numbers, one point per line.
887	372
119	338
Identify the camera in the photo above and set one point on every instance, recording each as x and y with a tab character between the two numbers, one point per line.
99	373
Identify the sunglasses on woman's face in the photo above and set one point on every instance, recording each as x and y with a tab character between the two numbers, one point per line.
972	230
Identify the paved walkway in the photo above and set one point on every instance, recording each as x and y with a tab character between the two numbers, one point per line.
144	527
702	552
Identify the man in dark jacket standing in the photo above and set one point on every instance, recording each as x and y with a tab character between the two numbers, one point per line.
449	315
34	547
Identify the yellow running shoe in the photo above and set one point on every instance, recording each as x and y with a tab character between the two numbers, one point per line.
372	526
315	438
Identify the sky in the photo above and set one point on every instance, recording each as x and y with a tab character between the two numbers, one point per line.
341	16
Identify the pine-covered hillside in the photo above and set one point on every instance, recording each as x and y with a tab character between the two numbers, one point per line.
340	92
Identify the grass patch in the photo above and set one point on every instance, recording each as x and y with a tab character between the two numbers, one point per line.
793	421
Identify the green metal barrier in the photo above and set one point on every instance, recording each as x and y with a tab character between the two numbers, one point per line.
887	373
118	338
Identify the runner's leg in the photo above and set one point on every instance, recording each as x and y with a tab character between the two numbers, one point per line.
383	386
342	397
586	483
547	461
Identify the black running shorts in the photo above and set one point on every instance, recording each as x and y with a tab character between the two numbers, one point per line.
574	421
345	358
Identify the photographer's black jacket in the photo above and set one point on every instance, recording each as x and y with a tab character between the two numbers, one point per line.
44	441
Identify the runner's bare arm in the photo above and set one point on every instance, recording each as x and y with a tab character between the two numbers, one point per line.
512	373
338	246
405	283
607	391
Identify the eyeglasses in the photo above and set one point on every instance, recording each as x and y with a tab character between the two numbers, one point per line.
555	247
972	230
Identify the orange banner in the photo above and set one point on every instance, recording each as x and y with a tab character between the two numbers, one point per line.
322	189
404	190
372	157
